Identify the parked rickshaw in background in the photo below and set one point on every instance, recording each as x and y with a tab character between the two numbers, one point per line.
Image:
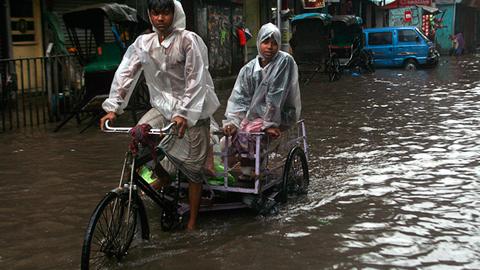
346	47
322	43
309	43
100	34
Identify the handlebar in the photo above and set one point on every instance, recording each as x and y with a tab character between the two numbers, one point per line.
155	131
221	133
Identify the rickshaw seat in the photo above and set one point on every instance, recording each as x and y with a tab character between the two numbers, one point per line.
99	73
108	57
340	46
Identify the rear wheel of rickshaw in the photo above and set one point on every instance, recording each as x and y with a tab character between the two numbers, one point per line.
333	68
110	231
367	59
295	177
303	78
410	64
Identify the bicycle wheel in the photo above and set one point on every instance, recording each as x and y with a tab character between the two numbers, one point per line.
295	178
110	231
333	68
368	59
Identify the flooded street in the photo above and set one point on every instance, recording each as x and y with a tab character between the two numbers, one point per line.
394	184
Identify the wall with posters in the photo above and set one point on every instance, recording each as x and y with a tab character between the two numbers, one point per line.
397	17
442	35
225	55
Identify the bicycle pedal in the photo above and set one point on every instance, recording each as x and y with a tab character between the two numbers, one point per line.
206	202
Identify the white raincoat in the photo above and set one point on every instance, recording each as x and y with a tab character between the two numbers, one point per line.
270	93
179	83
176	72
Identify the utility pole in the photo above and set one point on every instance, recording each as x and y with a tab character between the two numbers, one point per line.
384	16
8	30
283	26
279	7
454	16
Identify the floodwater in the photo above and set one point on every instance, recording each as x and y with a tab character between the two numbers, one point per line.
394	165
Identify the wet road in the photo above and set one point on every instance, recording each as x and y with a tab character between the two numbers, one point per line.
394	166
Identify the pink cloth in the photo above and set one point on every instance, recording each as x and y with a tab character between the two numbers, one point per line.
251	126
243	142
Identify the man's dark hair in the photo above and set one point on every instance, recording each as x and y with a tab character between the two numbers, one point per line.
161	5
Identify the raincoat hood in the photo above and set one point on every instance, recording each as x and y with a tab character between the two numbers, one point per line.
179	20
267	31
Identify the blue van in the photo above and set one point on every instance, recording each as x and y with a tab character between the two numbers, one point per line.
400	47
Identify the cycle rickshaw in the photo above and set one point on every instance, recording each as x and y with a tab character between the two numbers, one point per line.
309	43
100	34
275	172
346	47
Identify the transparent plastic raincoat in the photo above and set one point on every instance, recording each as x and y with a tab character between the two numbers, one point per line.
176	72
271	93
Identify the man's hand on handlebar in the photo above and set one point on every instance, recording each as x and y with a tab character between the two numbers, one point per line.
109	116
273	132
181	125
230	130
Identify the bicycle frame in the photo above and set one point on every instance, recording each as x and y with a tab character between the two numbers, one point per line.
135	180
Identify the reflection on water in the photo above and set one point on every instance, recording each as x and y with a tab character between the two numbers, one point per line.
394	167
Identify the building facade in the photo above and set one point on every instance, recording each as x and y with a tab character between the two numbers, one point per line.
215	21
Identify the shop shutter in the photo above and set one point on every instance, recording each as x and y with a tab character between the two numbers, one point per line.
63	6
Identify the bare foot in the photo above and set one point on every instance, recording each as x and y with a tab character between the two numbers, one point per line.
190	227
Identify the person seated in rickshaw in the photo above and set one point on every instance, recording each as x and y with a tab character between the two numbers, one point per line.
266	95
175	65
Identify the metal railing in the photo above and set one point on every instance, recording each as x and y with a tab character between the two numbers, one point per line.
38	90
